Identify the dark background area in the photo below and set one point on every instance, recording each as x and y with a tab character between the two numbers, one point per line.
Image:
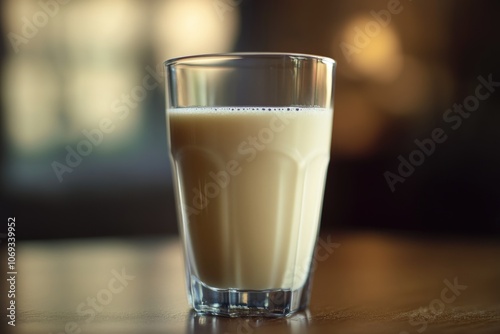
394	91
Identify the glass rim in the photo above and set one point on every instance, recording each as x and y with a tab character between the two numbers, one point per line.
191	60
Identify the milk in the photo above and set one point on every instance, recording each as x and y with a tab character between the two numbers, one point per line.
249	185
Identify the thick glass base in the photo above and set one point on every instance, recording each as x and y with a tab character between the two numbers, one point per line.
245	303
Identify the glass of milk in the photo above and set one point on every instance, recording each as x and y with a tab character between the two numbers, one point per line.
249	139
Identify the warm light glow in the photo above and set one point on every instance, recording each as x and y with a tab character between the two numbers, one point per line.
104	25
372	53
91	93
192	27
14	10
409	93
104	41
99	59
31	97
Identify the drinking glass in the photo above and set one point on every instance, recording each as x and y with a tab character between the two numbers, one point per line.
249	139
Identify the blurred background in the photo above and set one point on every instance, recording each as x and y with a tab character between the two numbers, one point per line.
69	66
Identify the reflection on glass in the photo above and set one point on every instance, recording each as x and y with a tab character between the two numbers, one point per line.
208	324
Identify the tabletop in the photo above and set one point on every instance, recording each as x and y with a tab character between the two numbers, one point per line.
363	283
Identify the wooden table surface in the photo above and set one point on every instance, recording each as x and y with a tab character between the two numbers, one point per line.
364	283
